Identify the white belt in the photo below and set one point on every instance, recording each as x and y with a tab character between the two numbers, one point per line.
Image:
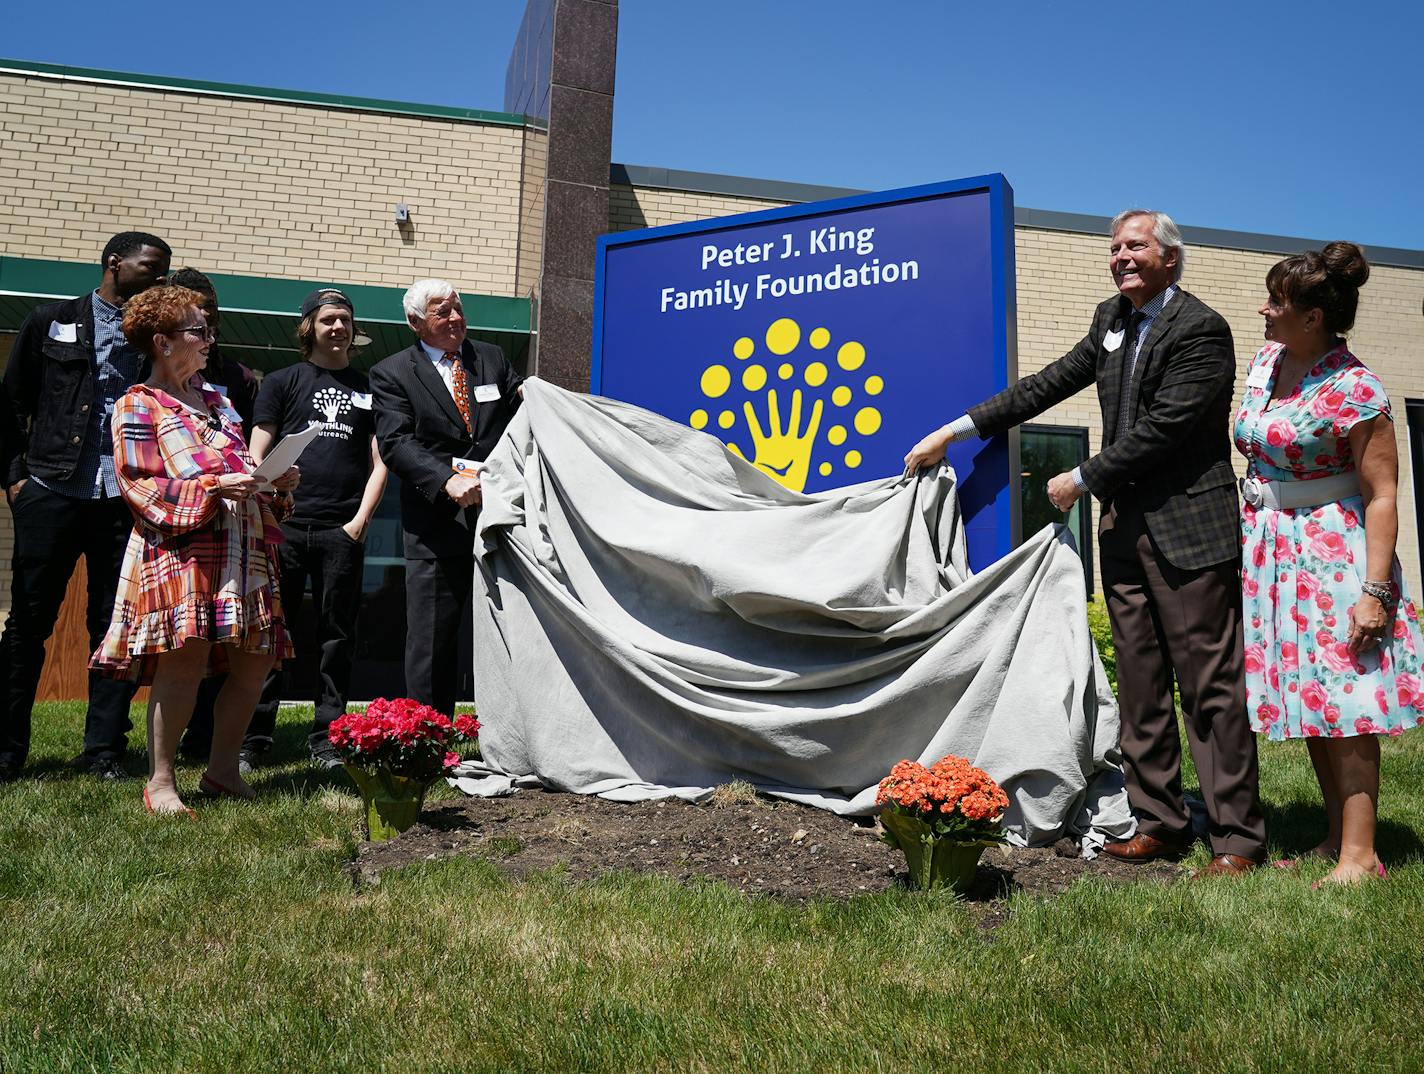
1292	495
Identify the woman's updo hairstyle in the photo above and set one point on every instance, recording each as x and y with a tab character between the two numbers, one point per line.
157	310
1327	280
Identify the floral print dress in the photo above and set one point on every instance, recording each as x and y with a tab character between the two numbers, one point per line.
1302	568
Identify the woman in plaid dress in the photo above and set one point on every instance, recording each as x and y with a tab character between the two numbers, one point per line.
198	591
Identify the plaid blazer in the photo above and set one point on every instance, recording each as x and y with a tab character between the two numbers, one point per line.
1174	460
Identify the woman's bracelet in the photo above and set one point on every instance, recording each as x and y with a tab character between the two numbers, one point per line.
1381	591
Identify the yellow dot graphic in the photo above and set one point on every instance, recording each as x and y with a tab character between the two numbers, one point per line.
867	420
816	374
726	419
783	335
753	378
698	419
819	338
743	348
852	459
874	385
841	396
825	468
785	370
735	450
836	434
851	355
716	379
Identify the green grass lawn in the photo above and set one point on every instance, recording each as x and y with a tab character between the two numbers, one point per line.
234	942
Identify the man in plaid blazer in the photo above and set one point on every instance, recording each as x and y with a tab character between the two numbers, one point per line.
1169	537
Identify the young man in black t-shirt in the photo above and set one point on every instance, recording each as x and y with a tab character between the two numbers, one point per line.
343	478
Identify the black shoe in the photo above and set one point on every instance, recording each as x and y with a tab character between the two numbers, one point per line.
109	769
247	761
9	771
326	757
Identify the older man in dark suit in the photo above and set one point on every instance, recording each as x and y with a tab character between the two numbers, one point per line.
441	406
1169	536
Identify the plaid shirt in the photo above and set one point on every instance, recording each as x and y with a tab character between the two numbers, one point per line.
196	565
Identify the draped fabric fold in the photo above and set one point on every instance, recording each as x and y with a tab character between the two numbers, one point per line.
654	615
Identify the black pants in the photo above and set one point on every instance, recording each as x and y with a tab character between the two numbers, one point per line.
51	533
333	562
438	593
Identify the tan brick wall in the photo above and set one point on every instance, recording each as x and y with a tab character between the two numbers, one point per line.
1062	276
257	188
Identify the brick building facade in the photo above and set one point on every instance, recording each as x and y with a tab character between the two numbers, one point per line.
280	190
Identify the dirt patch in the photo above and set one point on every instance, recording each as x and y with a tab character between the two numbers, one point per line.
758	845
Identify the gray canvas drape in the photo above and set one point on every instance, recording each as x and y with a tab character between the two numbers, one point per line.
654	616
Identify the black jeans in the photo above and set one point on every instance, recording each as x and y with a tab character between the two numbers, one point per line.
438	599
333	562
51	533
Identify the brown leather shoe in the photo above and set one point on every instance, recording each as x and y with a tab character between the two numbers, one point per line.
1142	848
1226	865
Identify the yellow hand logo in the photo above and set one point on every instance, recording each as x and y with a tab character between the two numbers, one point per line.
784	454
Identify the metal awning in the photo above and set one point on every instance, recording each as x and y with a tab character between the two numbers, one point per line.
259	321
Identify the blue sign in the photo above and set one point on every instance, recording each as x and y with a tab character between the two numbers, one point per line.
821	341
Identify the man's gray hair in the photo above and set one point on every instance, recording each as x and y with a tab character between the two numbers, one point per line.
1164	230
417	297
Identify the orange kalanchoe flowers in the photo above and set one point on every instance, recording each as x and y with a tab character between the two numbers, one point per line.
951	785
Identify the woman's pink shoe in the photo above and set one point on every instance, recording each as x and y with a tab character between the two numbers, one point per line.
1379	872
148	807
213	789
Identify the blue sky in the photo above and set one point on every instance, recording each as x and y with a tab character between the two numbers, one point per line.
1300	118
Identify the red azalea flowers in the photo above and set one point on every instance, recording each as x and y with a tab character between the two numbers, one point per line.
402	736
961	801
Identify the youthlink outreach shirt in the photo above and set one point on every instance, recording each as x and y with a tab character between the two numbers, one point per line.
337	463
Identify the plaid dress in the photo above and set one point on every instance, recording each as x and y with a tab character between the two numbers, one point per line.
196	566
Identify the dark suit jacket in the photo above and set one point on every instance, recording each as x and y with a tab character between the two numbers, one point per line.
1174	460
419	430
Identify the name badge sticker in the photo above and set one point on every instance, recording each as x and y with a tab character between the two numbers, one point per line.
65	333
466	466
1113	340
1260	376
486	393
361	400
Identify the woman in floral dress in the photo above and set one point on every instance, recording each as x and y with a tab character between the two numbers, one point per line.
198	588
1332	639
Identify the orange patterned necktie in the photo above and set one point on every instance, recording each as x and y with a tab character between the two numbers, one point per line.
460	390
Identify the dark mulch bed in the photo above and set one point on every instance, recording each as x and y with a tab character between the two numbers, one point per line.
758	845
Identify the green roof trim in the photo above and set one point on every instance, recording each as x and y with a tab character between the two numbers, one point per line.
262	93
259	316
33	278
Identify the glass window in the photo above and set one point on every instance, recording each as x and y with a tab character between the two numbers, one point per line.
1046	451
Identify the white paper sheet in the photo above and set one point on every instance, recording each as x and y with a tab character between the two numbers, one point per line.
287	451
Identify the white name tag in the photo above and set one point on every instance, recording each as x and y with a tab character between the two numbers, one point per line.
1113	340
486	393
361	400
65	333
1260	376
466	466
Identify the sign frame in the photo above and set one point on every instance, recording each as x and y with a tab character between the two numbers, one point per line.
1004	521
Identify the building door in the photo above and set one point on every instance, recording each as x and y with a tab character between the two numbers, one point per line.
1414	409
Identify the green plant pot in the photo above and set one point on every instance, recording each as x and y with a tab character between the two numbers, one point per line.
393	803
934	861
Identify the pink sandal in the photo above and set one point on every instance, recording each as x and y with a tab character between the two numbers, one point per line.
213	789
